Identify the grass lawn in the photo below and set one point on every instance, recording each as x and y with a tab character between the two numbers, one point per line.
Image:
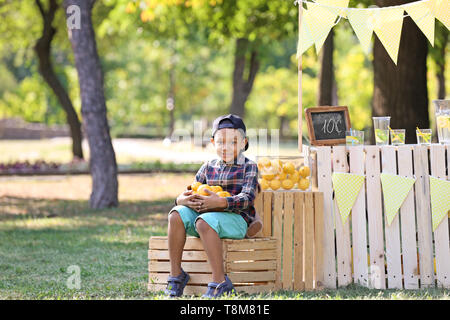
46	227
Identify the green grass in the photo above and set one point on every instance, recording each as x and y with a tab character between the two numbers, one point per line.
41	236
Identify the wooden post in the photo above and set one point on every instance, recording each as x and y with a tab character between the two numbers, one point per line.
300	107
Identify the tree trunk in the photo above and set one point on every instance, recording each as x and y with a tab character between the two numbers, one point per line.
103	164
440	74
327	95
242	80
401	91
170	104
43	52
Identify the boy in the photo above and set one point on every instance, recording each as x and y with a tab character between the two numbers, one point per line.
212	217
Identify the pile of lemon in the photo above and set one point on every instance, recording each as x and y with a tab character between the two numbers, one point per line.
278	174
199	188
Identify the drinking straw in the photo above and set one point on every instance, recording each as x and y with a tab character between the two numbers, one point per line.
393	133
422	135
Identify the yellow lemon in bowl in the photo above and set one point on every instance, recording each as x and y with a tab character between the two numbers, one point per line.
264	184
263	162
304	171
224	194
288	167
294	176
287	184
275	184
303	183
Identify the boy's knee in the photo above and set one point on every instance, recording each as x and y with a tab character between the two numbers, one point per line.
202	226
174	217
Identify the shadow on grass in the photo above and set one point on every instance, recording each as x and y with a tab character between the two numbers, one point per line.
147	212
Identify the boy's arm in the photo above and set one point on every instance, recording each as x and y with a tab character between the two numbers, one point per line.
245	198
201	173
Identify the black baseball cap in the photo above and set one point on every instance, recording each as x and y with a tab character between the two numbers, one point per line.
229	121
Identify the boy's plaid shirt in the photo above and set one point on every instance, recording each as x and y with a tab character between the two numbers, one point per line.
240	179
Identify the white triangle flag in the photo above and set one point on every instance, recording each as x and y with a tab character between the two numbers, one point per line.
305	39
442	12
388	28
322	19
362	22
423	15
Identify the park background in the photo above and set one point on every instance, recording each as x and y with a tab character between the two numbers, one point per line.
167	64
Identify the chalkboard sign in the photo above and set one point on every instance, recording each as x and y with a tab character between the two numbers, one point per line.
327	125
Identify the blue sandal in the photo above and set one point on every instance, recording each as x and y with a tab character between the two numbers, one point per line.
175	285
216	290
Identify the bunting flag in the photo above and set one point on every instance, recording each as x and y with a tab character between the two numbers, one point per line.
395	190
346	189
442	11
423	15
362	22
386	22
305	39
388	28
440	200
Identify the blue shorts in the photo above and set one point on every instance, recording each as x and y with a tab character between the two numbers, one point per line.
228	225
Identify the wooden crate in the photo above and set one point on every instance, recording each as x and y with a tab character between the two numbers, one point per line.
392	248
249	263
295	219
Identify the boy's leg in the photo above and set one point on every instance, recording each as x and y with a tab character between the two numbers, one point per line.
213	248
176	240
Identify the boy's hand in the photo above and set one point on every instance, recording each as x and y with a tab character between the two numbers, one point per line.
212	202
188	199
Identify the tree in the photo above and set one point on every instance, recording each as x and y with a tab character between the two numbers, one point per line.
327	94
43	52
18	33
401	91
103	164
438	54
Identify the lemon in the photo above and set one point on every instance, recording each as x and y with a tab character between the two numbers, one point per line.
303	183
304	171
195	185
223	194
216	189
275	184
264	184
288	167
268	176
294	176
201	190
281	176
263	162
287	184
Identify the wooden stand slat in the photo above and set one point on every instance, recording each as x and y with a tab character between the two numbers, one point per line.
408	223
441	234
375	219
359	233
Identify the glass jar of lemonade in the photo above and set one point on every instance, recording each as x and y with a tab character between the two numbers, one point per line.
442	112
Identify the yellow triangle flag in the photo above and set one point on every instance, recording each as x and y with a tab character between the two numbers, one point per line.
423	15
346	189
305	39
440	200
362	22
395	191
388	28
322	18
442	11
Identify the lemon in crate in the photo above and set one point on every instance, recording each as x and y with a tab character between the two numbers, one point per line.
284	173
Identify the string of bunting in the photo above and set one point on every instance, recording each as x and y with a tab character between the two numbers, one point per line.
320	16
